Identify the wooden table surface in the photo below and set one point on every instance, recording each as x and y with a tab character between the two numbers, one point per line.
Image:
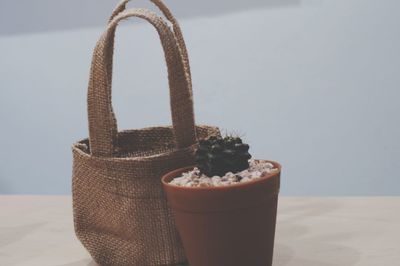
345	231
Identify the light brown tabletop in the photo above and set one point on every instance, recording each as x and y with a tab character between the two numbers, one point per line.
345	231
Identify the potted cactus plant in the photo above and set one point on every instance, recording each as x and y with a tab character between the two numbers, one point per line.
225	206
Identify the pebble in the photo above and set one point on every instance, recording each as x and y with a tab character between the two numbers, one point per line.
193	178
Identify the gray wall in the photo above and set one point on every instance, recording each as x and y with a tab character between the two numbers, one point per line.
312	84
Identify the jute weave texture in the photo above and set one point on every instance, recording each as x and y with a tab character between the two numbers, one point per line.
120	212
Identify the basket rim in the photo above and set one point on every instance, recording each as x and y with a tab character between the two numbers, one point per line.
78	148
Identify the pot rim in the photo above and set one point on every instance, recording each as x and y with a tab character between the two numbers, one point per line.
215	188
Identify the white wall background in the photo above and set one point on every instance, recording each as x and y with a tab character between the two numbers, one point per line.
312	84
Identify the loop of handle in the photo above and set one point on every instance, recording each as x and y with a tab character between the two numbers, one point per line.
176	29
102	122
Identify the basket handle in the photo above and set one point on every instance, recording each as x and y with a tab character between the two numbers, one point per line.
175	26
102	122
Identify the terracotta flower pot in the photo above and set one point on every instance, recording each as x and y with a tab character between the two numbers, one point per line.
226	226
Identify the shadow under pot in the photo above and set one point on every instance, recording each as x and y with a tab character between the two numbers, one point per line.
226	225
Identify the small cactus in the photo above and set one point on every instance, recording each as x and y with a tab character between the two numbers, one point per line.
218	156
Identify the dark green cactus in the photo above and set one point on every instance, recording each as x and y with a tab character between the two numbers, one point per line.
218	156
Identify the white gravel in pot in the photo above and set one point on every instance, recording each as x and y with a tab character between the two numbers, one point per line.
194	178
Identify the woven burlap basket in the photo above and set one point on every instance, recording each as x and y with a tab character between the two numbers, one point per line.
120	213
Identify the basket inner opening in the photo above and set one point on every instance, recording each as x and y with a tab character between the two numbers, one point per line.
146	142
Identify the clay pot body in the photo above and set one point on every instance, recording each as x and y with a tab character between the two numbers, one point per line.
226	226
